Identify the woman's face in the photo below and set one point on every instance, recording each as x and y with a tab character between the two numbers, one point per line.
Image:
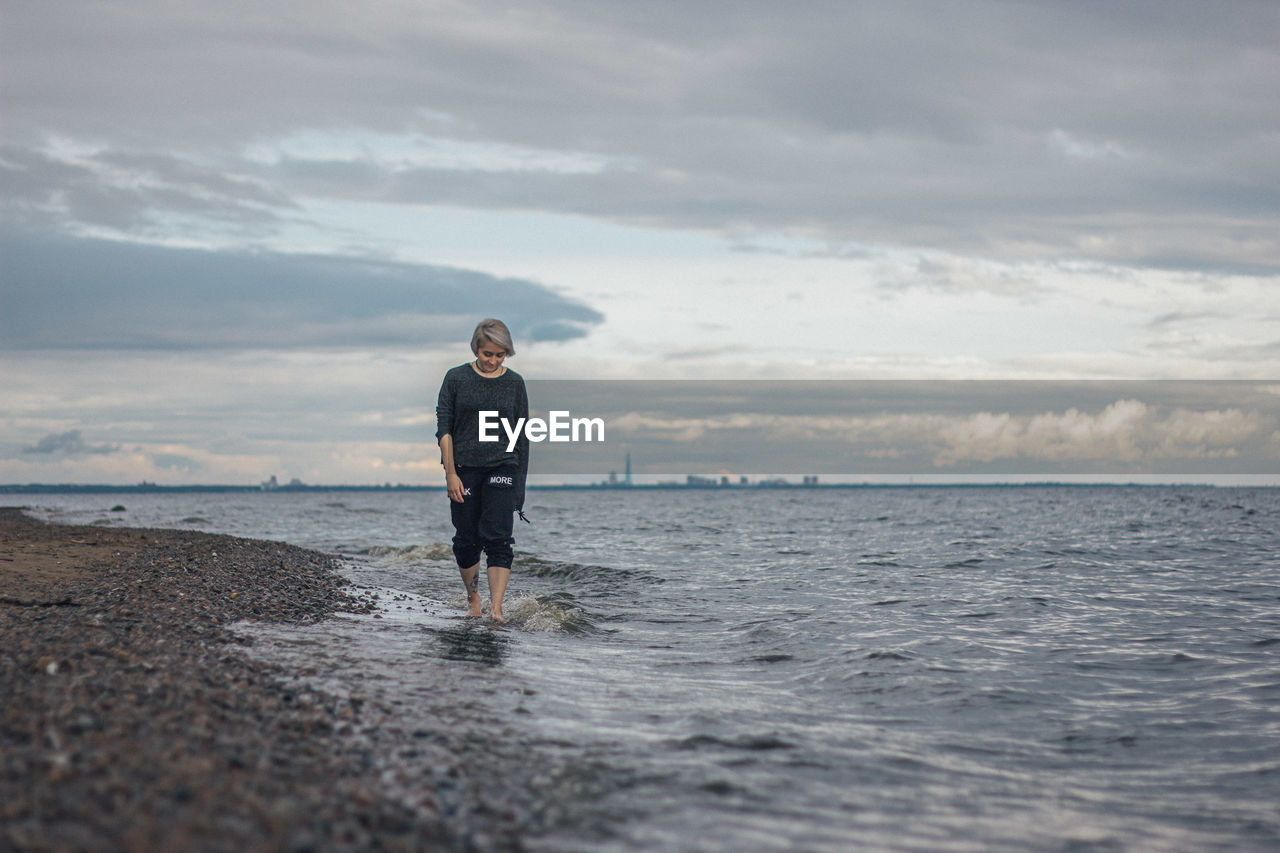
489	356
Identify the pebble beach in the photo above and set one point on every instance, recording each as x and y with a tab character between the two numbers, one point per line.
131	718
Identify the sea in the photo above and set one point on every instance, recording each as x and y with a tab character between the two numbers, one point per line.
914	668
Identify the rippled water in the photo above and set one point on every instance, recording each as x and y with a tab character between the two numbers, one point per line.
899	669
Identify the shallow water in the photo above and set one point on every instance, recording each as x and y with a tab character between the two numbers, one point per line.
899	669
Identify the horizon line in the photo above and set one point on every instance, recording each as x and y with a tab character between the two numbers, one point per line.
764	485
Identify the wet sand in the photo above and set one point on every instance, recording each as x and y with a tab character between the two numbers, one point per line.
131	720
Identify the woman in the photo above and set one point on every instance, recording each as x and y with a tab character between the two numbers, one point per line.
485	482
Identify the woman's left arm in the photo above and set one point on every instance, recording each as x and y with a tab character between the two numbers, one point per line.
522	445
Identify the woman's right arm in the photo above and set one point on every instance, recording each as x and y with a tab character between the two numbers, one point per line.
452	482
444	436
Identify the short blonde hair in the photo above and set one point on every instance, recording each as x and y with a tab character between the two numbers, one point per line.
495	331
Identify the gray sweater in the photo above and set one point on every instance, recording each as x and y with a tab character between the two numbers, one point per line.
463	395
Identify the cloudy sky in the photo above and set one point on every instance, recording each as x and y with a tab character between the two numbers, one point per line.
242	239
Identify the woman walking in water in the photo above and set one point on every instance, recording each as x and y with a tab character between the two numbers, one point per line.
485	482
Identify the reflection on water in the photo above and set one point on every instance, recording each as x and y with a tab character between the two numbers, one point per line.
474	642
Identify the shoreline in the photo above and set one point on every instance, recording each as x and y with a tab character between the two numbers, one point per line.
131	719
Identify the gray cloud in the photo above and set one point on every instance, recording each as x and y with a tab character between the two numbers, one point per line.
1180	318
132	192
70	443
62	293
1130	133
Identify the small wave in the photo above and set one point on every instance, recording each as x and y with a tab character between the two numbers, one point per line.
722	788
885	560
889	655
536	614
1132	662
361	510
774	658
751	743
410	553
547	613
195	519
538	567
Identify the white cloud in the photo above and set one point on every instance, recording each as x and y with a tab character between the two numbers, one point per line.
1078	148
393	153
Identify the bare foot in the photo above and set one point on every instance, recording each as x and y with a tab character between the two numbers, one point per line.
498	617
474	609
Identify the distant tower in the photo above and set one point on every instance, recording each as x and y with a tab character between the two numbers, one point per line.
628	479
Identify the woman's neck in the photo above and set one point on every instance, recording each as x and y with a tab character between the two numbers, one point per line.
501	370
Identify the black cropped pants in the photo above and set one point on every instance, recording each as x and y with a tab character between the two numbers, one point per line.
484	519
